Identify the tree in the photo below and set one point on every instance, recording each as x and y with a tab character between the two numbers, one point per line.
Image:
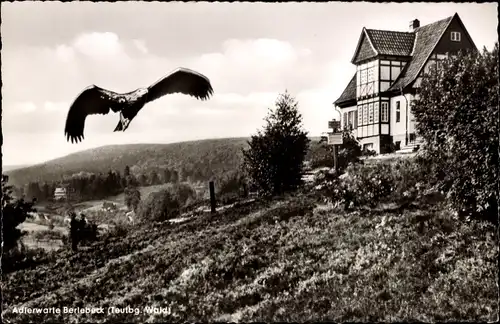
154	179
457	117
132	198
159	206
142	179
14	212
166	175
126	171
33	191
274	160
350	151
46	191
174	176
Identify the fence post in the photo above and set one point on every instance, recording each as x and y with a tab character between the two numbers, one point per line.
336	157
212	197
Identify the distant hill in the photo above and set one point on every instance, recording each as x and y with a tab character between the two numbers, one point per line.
6	168
203	157
218	155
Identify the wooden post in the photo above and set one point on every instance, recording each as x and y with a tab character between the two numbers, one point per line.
336	157
212	197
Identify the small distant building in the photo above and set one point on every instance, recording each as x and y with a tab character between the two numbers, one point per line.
60	193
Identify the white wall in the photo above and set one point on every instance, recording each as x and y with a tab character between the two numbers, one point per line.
398	129
347	110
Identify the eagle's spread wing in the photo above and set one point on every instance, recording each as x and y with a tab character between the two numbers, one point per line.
93	100
184	81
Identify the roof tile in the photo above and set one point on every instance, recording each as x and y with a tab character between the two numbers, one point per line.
426	39
349	92
388	42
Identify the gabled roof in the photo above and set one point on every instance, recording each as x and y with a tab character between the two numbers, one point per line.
388	42
426	39
349	92
419	45
364	49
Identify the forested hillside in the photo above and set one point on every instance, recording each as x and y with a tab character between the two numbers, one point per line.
198	160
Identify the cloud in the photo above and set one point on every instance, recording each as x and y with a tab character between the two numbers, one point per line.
99	46
258	65
56	106
26	107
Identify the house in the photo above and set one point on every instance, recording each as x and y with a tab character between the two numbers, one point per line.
60	193
389	68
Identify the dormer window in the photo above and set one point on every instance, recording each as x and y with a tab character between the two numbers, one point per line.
455	36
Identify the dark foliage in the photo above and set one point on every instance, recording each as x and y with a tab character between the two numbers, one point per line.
167	203
14	212
457	116
276	155
132	198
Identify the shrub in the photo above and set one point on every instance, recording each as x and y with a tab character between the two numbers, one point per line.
411	178
132	198
14	212
167	203
184	193
463	142
367	184
48	235
231	187
321	154
275	157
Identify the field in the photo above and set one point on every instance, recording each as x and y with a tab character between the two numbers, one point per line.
292	259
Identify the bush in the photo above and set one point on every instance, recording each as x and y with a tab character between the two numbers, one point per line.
231	187
132	198
275	158
167	203
14	212
404	180
321	154
46	235
463	142
367	184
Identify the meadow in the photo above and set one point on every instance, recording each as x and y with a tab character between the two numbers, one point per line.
295	258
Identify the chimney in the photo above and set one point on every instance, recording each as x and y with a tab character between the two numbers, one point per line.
414	24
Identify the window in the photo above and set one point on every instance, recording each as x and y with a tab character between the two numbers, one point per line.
365	114
375	112
455	36
395	72
350	118
385	72
360	115
385	112
370	113
370	75
355	119
345	120
398	111
397	145
367	74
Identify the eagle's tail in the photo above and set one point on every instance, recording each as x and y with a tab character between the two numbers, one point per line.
119	127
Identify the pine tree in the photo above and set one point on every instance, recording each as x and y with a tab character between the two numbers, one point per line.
275	158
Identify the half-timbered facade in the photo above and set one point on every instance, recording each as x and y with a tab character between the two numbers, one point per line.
389	68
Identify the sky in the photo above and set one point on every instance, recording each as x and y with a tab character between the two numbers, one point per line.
251	52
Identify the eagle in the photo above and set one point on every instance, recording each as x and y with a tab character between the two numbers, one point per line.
96	100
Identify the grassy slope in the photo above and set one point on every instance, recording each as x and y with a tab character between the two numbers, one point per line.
280	261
